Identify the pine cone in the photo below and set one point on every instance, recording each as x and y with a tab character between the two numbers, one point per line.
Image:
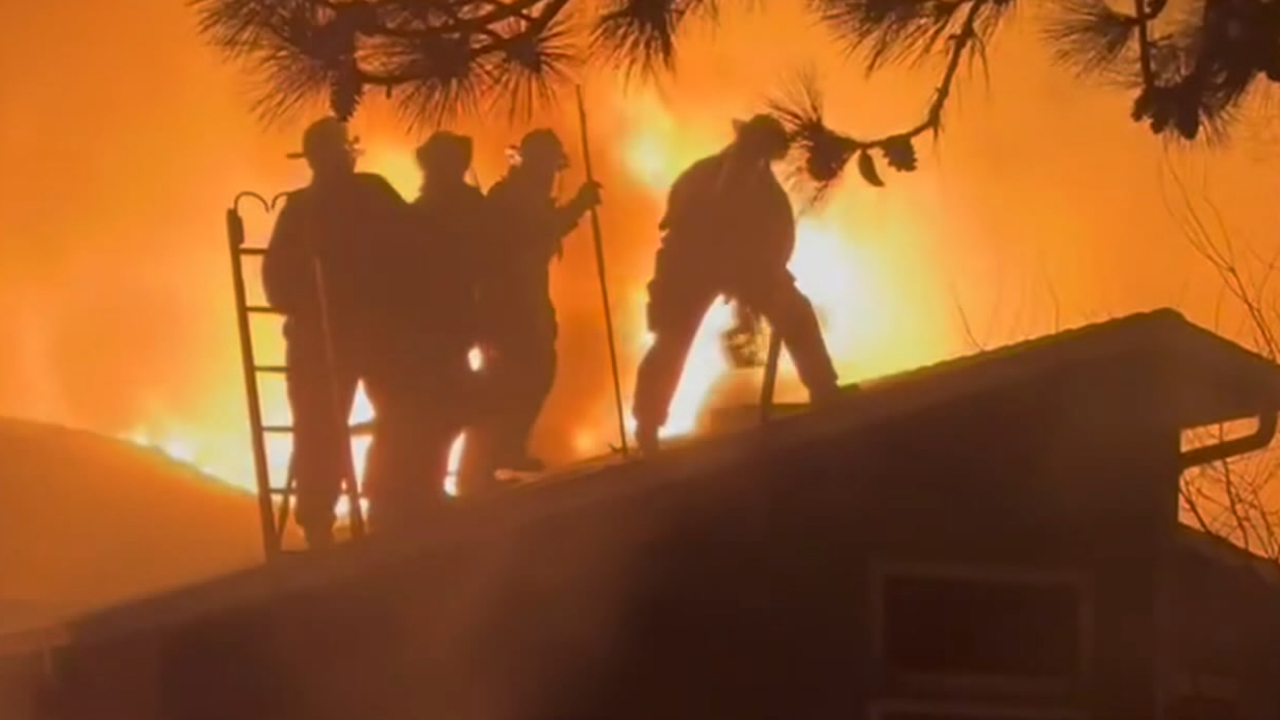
828	154
345	93
900	153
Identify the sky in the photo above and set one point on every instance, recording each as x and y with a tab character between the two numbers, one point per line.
123	138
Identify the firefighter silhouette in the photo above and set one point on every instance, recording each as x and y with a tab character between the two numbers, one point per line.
728	230
321	270
520	339
419	379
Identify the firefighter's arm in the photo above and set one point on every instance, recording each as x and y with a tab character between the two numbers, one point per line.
782	231
567	216
383	190
284	265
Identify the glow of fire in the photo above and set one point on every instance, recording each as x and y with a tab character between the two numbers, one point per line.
840	272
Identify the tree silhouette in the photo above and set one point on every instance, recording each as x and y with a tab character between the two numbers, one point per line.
438	59
1235	499
1189	67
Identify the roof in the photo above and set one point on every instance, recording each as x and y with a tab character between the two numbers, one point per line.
1225	553
1209	380
1213	379
27	625
91	521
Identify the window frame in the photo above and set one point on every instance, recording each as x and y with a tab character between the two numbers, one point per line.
909	680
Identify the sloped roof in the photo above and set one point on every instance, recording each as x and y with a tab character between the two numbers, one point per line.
1208	379
1228	554
1214	380
92	521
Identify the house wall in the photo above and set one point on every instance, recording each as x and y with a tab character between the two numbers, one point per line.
745	595
1227	631
961	489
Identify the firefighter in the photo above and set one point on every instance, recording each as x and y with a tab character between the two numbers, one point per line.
728	230
452	215
528	231
321	270
421	383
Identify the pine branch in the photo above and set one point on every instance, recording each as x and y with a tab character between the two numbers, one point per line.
436	58
639	36
533	66
1091	38
823	153
889	31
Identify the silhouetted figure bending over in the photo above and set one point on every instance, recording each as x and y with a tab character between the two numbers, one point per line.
528	231
425	392
728	230
320	270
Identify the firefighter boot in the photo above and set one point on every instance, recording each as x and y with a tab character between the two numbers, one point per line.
647	439
318	538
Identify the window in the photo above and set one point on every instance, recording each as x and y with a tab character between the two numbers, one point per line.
945	623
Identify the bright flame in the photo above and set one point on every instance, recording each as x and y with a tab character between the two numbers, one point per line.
842	270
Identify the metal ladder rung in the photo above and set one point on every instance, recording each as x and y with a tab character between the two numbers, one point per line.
277	429
270	369
252	251
262	310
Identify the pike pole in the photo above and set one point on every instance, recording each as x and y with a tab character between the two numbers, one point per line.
604	284
770	375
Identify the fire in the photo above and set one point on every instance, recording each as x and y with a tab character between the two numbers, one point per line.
838	268
845	271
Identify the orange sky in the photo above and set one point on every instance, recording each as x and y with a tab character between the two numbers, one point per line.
122	138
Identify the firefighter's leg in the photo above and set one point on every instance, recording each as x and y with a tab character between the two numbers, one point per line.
318	462
476	466
532	381
674	322
385	460
406	475
792	316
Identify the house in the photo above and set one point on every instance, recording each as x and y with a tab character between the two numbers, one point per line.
991	537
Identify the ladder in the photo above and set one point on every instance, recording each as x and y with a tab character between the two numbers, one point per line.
275	501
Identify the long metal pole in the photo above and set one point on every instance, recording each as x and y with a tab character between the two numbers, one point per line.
604	285
770	375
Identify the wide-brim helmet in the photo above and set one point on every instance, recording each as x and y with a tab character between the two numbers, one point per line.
325	136
764	133
445	148
542	147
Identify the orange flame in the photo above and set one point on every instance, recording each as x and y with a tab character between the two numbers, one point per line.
848	276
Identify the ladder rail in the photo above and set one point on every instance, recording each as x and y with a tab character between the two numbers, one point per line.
272	533
274	519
